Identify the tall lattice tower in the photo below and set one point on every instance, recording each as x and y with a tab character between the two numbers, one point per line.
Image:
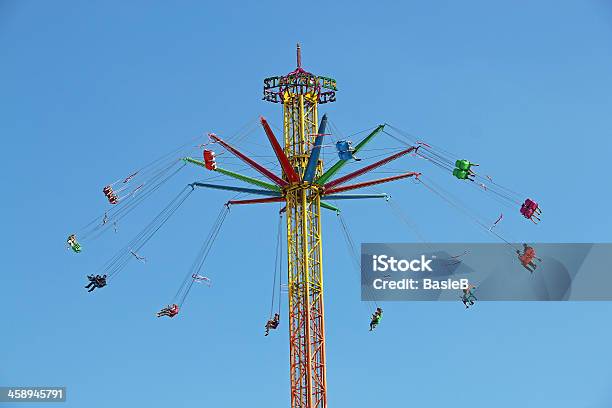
300	92
305	189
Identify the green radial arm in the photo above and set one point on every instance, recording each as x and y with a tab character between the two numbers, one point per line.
237	176
340	163
248	179
328	206
194	161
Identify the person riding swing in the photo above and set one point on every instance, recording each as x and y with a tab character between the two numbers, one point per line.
272	323
468	297
527	258
170	311
376	317
95	281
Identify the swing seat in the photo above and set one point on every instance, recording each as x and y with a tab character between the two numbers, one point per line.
343	146
173	311
526	211
529	203
345	156
209	160
460	174
463	165
344	150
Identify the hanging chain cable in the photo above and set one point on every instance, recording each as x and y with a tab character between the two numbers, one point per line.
276	265
464	211
353	254
124	255
116	214
280	266
198	257
198	264
443	159
120	260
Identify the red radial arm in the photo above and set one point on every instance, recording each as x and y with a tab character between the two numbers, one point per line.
292	176
258	200
267	173
366	169
370	183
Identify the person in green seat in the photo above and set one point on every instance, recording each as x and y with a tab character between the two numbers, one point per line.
376	317
468	297
73	243
463	170
463	175
465	165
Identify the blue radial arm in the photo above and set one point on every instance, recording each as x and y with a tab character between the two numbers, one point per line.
311	168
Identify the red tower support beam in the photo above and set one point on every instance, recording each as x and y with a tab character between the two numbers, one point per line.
258	201
265	172
366	169
292	176
370	183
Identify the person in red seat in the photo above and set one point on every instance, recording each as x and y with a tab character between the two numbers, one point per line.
531	210
209	160
527	258
170	311
113	199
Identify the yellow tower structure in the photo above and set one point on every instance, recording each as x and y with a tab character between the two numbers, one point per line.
305	278
302	186
300	92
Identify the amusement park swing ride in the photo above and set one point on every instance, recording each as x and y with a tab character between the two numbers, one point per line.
304	187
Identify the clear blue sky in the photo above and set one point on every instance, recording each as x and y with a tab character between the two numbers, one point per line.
90	92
